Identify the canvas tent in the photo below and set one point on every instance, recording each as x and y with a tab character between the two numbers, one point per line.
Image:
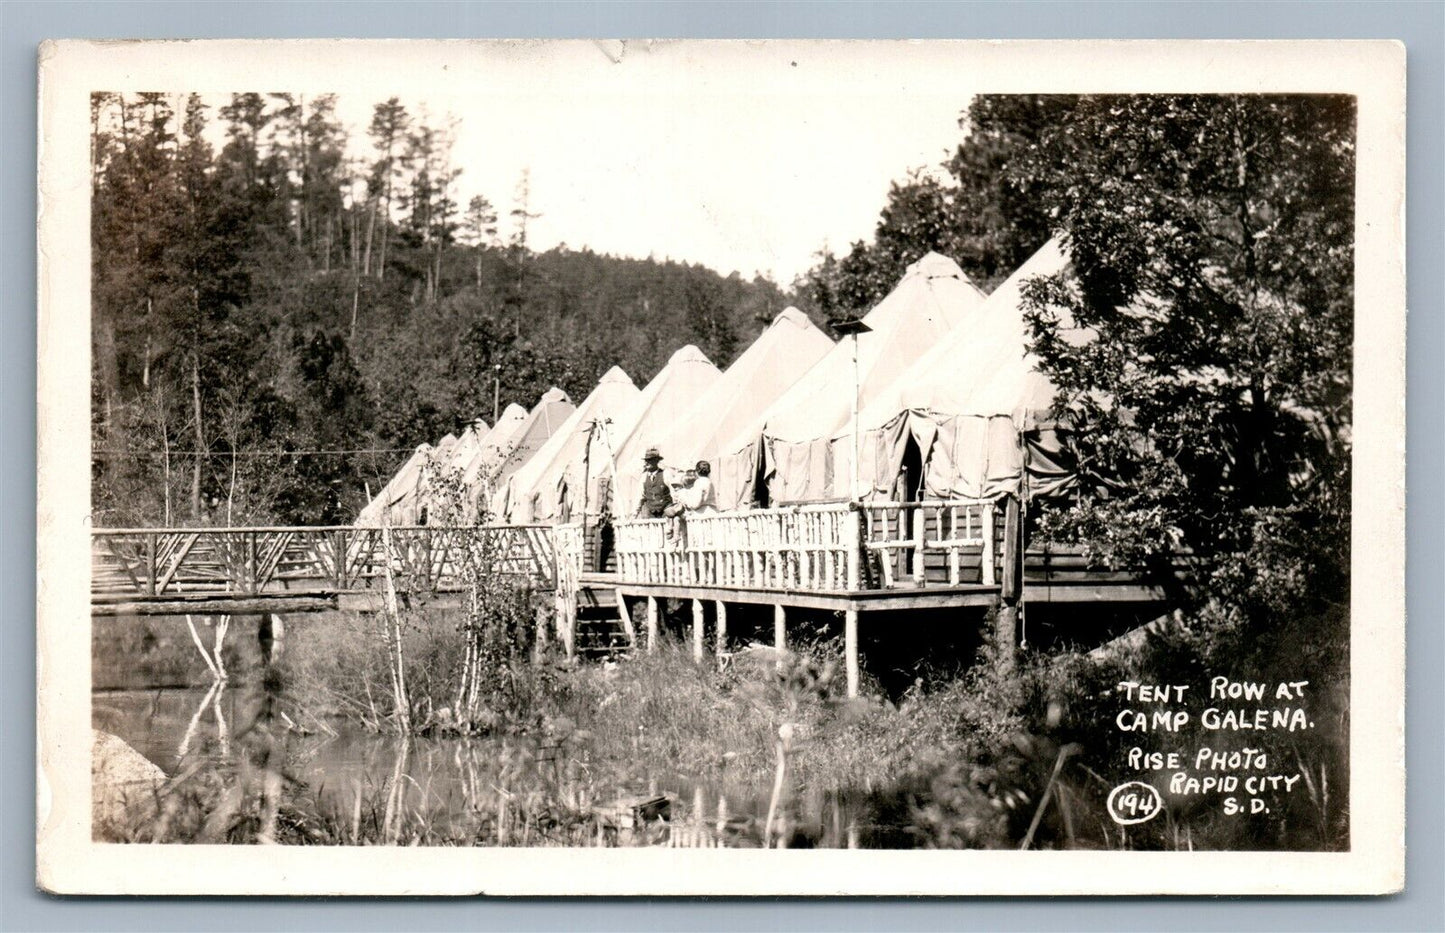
551	410
970	405
663	402
785	350
491	450
549	487
446	467
468	444
794	436
395	504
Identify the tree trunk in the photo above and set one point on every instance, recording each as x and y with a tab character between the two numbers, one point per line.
381	252
200	436
355	301
370	229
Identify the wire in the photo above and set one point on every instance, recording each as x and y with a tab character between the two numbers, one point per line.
136	454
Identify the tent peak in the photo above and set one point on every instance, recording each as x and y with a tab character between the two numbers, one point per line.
936	266
512	412
554	394
689	354
615	375
791	315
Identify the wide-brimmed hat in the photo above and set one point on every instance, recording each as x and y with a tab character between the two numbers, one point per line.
651	455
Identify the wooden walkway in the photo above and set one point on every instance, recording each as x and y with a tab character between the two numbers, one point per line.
852	558
170	571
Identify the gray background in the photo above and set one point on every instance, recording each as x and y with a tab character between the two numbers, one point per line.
24	24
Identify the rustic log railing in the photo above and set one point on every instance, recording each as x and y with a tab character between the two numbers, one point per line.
569	542
159	562
903	534
825	547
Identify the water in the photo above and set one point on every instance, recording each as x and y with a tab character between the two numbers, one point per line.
464	788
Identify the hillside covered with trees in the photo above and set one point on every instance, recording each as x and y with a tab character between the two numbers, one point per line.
264	308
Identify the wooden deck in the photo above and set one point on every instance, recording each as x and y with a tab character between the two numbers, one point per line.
852	558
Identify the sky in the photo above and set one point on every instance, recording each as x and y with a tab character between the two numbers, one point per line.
744	157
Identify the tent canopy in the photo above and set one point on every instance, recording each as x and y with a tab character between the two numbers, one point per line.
493	448
664	402
965	403
551	410
549	486
794	433
396	503
789	347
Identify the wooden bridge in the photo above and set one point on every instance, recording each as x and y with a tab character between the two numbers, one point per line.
849	557
299	569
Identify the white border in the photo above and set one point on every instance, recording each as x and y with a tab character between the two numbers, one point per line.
68	862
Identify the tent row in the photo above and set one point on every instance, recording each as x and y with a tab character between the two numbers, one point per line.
948	404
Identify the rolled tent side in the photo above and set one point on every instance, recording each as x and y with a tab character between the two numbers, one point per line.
801	459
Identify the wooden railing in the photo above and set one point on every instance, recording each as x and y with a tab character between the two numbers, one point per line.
825	547
903	534
569	542
128	562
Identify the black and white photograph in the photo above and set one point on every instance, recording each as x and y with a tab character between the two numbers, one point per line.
534	455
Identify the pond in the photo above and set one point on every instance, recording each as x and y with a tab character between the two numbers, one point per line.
459	789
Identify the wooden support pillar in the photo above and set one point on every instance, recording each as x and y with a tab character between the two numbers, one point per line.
1006	637
722	630
850	649
1006	618
697	630
539	618
651	624
780	631
1012	566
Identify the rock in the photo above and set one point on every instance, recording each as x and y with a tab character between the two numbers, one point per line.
124	784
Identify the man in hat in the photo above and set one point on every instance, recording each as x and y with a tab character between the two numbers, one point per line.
656	497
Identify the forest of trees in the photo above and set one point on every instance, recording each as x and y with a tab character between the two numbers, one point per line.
260	303
1212	240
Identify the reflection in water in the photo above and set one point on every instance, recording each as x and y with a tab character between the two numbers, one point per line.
212	699
482	791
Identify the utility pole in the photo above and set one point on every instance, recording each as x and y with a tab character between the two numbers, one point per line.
854	329
496	391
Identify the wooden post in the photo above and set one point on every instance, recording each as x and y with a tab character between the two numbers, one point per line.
338	573
920	535
986	570
252	570
651	624
850	649
540	648
697	633
1005	633
780	631
1012	559
853	540
151	573
626	618
721	647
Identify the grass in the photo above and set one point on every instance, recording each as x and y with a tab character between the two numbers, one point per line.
978	760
